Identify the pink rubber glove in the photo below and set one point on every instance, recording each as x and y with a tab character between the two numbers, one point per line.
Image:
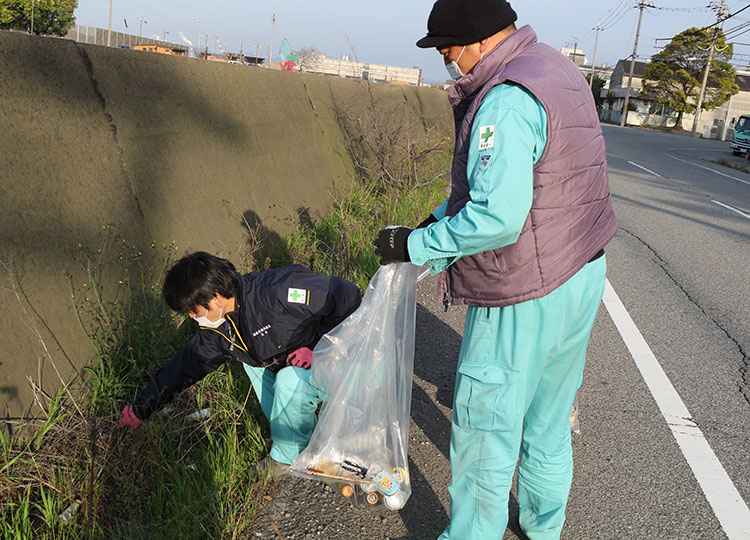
301	358
129	419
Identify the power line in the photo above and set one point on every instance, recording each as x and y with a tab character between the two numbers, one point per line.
617	18
736	31
684	10
613	10
731	15
727	17
619	10
738	27
740	33
613	16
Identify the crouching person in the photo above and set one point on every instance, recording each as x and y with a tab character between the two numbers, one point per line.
270	321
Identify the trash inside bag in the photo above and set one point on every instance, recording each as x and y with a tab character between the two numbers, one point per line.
365	366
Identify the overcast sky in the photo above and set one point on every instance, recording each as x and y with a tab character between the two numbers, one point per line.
384	31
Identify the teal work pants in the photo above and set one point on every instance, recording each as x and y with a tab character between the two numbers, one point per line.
518	373
289	402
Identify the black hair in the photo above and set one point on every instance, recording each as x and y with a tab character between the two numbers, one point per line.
196	278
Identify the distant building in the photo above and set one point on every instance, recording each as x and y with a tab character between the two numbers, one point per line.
714	124
621	73
231	58
159	49
98	36
214	57
719	123
236	58
577	56
618	86
345	67
604	72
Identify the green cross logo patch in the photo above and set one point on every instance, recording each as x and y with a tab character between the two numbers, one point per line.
486	137
298	296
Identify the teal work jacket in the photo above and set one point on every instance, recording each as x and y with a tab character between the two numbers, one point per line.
508	137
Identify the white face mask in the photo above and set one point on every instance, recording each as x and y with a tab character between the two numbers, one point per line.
453	70
203	321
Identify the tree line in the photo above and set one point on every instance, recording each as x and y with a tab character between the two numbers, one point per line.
48	17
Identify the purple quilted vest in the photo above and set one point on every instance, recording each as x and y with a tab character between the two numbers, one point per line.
571	216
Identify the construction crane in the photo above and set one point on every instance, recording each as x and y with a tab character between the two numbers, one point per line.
289	56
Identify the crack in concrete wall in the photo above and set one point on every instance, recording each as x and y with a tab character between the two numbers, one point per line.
113	128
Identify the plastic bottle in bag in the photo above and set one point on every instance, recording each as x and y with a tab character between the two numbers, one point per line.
388	484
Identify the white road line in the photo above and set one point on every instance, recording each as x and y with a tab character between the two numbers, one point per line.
645	169
732	208
710	169
698	149
728	506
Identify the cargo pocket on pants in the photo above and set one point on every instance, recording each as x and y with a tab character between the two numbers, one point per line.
485	397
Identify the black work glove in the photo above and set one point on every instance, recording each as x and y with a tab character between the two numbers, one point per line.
391	245
429	221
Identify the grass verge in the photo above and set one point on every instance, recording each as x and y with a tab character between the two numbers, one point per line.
735	166
341	243
73	475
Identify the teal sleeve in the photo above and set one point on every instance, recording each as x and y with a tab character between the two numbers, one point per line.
508	137
439	212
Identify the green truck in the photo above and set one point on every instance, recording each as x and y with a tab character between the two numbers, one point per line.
741	143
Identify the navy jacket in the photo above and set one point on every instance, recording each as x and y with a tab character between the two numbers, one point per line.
278	311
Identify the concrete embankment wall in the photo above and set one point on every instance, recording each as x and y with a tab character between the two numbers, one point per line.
163	149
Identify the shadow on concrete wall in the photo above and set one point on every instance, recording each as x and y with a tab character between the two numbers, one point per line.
65	174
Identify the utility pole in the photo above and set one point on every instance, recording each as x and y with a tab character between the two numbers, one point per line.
257	52
109	28
140	21
32	17
197	47
593	62
270	47
720	9
164	35
641	6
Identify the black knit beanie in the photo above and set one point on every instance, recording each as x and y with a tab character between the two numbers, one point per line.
461	22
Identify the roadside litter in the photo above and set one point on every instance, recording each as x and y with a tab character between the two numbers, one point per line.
365	368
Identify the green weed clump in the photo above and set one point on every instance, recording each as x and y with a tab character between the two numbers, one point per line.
726	163
341	242
75	475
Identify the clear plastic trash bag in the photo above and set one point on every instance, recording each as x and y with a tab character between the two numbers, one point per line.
365	367
575	424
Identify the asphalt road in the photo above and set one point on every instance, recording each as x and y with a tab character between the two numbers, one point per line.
679	266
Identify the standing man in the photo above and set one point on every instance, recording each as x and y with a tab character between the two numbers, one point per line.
520	240
270	321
